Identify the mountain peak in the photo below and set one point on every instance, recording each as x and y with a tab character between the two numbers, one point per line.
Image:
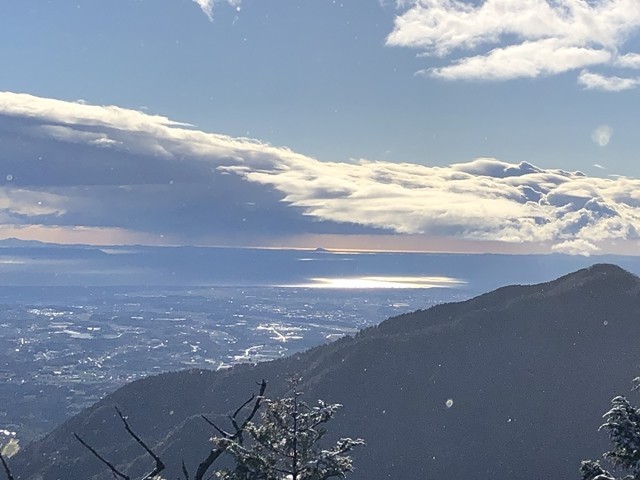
601	269
606	276
600	283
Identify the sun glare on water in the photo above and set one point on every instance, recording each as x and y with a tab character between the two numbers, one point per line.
382	282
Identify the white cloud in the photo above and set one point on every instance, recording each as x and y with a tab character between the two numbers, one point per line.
61	112
483	200
602	135
630	60
207	6
595	81
112	169
505	39
528	59
576	247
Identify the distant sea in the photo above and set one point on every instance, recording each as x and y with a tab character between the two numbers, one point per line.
40	264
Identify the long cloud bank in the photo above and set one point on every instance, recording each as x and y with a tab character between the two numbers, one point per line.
73	165
507	39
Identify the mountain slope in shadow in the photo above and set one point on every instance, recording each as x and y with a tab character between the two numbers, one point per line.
510	384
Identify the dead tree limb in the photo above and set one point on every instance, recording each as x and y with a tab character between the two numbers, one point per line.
239	428
5	465
114	470
218	429
159	466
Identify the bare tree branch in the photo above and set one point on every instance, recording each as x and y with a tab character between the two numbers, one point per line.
117	473
7	470
201	471
219	430
241	407
239	428
237	412
159	465
114	470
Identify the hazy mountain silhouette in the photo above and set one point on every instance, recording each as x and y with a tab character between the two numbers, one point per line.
529	369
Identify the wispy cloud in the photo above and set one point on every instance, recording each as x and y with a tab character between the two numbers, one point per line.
207	6
507	39
111	169
630	60
595	81
602	135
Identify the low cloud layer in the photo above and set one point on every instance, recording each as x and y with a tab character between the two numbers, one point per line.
73	166
508	39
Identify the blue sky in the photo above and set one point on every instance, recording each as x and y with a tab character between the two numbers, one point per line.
432	83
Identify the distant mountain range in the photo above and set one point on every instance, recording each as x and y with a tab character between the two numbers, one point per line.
16	242
509	385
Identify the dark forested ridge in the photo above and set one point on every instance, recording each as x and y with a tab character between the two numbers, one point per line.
510	384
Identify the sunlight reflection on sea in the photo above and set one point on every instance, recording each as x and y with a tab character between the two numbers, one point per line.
381	282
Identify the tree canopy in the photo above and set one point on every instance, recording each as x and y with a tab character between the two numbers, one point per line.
286	444
622	422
